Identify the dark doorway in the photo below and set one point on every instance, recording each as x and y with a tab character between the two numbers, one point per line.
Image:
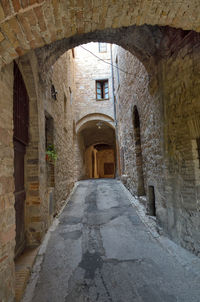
152	203
20	140
138	152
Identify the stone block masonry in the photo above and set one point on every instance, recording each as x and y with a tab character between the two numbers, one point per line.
7	213
168	106
27	25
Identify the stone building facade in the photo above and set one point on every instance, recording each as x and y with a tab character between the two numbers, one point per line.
94	110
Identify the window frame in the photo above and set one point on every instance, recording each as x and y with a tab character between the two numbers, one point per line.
198	149
102	90
117	67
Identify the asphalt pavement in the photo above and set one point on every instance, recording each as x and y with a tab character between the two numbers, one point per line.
102	251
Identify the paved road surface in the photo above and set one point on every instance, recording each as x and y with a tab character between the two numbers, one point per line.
101	251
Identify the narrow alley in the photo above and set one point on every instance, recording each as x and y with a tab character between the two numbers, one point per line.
102	251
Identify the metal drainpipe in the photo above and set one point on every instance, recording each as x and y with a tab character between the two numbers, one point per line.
115	114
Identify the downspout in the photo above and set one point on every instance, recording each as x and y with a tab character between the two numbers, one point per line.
117	158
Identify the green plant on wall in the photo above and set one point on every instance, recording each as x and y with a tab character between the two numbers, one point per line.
51	154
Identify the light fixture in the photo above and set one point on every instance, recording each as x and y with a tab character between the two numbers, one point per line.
99	125
53	92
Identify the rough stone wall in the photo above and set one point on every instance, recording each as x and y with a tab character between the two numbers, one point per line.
181	96
7	212
132	89
169	111
37	205
80	163
61	110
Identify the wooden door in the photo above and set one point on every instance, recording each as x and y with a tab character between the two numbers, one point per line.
20	140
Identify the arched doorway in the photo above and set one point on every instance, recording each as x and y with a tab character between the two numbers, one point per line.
97	148
100	161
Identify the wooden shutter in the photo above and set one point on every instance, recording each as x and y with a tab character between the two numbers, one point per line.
99	90
106	90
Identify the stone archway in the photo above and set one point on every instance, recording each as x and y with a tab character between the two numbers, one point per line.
31	25
94	117
97	151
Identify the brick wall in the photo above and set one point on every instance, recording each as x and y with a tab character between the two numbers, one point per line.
7	212
64	136
27	25
180	75
42	202
131	90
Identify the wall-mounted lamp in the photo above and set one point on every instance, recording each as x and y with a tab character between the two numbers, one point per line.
53	92
99	125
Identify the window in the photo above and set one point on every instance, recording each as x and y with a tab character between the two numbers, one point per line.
65	111
53	92
102	90
70	93
102	47
198	149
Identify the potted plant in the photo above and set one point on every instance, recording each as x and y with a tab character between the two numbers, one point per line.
51	154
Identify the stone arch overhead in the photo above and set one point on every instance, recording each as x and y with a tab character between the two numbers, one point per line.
27	25
92	135
94	117
148	43
25	64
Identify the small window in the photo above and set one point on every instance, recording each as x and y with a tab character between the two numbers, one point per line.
198	149
53	92
117	67
65	109
102	47
102	90
70	93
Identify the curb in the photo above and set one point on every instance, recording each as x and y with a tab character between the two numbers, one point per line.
188	260
30	288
